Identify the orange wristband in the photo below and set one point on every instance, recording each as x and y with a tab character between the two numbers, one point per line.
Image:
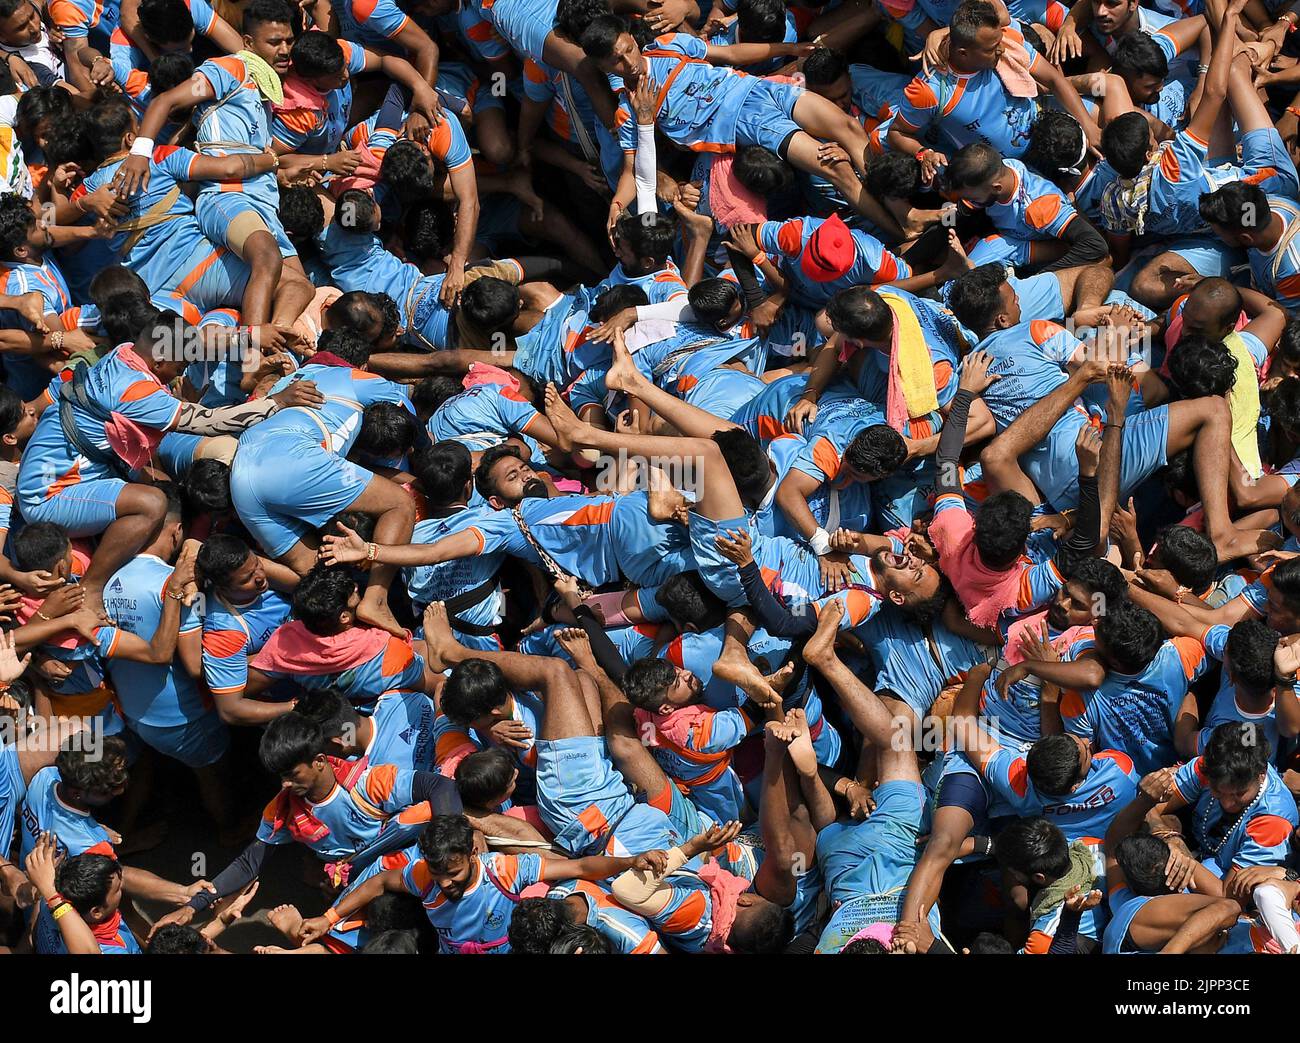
333	916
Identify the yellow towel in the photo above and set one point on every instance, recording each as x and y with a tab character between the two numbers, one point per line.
1243	404
266	78
911	370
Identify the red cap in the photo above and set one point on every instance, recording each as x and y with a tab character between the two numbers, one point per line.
830	251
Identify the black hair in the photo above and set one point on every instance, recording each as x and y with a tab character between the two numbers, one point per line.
302	214
1188	555
333	714
573	16
762	171
206	487
39	546
760	21
11	410
101	770
969	19
990	944
922	613
824	66
315	54
407	169
1236	754
860	313
387	430
288	741
689	601
893	175
535	923
1053	764
263	12
1002	525
1031	846
175	939
976	296
647	682
322	596
713	299
220	555
877	451
1131	636
1056	141
750	467
580	938
484	776
601	34
1237	206
1200	367
1288	346
85	880
489	303
445	837
390	943
348	345
1100	577
356	309
1126	142
489	459
765	929
123	314
1249	651
42	103
974	164
648	235
473	690
357	212
165	21
432	392
443	470
1142	859
427	229
169	70
16	220
1138	54
616	299
114	280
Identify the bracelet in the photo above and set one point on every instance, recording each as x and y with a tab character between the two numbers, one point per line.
1181	593
372	551
179	596
55	900
43	616
1294	111
1117	427
333	916
922	153
56	340
62	911
820	542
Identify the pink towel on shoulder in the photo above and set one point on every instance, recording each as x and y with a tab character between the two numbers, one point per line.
1013	66
293	649
482	373
133	442
986	593
1174	333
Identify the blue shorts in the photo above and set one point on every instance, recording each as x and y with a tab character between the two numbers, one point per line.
522	26
878	854
1002	249
719	574
1053	467
212	277
458	79
586	803
767	116
280	505
1040	297
176	453
1267	163
196	744
724	391
84	509
794	332
216	211
498	222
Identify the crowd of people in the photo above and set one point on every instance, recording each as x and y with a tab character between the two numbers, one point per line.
619	476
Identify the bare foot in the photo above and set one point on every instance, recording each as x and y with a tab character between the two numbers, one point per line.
623	374
568	427
439	642
575	641
821	646
286	919
734	666
378	614
802	754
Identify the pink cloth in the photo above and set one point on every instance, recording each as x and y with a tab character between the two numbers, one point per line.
881	932
1013	66
482	373
1031	624
299	94
675	727
730	202
133	442
986	593
293	649
724	888
531	814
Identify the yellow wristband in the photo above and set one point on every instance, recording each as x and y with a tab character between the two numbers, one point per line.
62	911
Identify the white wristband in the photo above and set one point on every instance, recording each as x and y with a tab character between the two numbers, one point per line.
821	542
142	147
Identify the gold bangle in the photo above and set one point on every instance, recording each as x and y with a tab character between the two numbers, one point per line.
44	616
372	551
